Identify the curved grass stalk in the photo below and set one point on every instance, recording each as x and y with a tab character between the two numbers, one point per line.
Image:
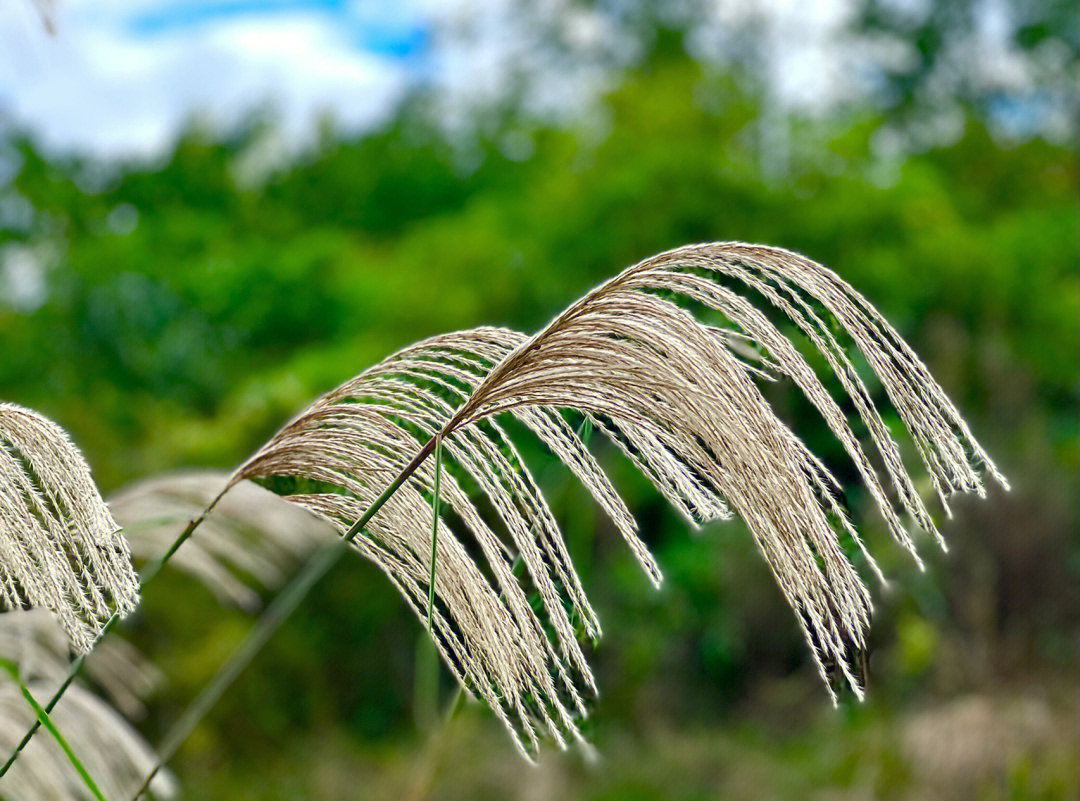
674	395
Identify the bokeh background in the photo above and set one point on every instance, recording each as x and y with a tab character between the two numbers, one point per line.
213	211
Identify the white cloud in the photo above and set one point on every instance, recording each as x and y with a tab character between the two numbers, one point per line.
101	84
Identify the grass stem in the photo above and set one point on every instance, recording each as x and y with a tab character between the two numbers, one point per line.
283	604
43	719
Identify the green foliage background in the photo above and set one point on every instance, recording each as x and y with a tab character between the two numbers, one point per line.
189	311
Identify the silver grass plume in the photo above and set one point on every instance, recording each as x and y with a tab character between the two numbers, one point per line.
352	442
678	398
106	744
252	537
60	549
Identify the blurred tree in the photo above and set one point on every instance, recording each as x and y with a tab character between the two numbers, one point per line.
1013	62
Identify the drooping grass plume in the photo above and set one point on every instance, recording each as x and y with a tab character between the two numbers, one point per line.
252	539
674	395
352	442
111	751
60	548
678	397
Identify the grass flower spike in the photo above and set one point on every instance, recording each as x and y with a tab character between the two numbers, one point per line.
60	548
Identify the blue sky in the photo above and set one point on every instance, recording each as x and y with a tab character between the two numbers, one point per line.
120	77
388	30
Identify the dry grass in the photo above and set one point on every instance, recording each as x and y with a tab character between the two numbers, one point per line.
252	540
679	398
59	547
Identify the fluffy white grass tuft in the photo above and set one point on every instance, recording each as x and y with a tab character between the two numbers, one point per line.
60	549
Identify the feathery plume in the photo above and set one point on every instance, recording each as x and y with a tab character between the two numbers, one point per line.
252	537
678	397
59	547
353	441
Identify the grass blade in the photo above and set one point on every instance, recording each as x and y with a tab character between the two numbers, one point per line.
46	721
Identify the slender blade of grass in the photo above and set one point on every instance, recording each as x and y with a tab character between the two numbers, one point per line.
44	720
